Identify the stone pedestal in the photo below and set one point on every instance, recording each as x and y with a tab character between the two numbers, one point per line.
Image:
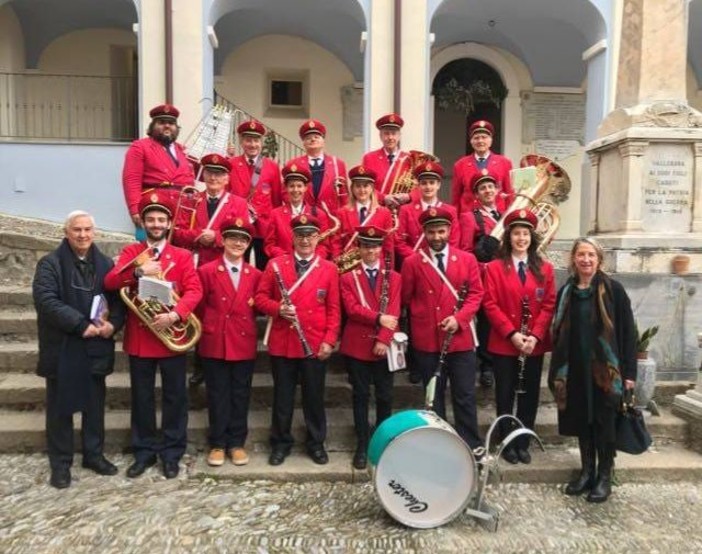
688	406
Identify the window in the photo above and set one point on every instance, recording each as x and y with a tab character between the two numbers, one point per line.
287	93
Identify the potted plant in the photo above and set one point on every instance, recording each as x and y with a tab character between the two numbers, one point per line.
646	369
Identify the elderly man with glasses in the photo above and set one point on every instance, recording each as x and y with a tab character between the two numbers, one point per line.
77	321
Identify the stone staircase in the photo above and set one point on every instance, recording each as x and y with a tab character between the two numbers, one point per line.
22	398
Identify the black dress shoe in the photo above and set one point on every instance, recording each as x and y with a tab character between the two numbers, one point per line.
171	469
360	458
61	477
139	467
197	378
100	465
510	455
523	455
319	456
277	457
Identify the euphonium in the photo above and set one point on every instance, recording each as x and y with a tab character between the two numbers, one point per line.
350	258
552	187
178	337
405	181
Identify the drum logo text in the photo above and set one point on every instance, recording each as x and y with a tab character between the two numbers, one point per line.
414	504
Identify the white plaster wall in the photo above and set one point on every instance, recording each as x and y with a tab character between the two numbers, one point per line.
244	81
380	66
11	41
85	52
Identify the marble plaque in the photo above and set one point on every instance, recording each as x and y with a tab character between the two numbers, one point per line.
553	116
666	200
352	101
556	149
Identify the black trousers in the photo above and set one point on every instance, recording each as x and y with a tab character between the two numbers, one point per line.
460	370
59	428
483	331
361	375
228	386
174	408
506	370
311	374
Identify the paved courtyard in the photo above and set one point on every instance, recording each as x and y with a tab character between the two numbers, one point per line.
150	514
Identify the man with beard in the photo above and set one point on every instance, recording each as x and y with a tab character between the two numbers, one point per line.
256	179
156	258
431	281
76	346
156	162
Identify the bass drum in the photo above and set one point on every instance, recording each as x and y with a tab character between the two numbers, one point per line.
424	473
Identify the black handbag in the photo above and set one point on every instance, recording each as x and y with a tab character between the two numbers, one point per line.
632	436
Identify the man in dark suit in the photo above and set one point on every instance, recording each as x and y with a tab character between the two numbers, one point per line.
77	321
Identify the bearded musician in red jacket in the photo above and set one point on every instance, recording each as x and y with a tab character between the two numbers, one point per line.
432	280
368	332
228	344
156	258
256	179
156	162
303	333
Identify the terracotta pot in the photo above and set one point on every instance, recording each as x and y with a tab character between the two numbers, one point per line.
680	264
642	355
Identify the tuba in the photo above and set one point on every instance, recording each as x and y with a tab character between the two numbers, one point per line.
550	189
179	337
405	181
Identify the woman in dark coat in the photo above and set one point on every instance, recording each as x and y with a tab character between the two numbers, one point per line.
594	360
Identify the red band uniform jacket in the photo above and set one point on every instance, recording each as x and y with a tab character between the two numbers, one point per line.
328	192
228	315
316	300
147	164
361	332
279	238
409	229
381	217
470	230
503	306
429	300
266	195
139	340
466	168
232	207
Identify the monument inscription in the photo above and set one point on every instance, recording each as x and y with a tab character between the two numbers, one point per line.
667	189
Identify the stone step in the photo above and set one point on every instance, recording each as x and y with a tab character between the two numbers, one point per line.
24	431
18	321
557	464
16	296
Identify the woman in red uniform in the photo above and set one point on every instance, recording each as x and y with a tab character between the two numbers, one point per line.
363	209
519	300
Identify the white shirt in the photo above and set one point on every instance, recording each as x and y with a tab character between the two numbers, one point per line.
235	276
311	160
358	209
445	258
297	210
426	206
160	245
515	263
485	157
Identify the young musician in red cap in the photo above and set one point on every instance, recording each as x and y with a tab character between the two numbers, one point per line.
156	162
328	183
476	226
363	209
256	179
410	235
156	258
368	333
432	280
480	134
199	231
228	343
519	301
387	162
279	238
300	292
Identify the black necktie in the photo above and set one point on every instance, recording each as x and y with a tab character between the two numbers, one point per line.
301	266
251	161
363	214
495	214
235	269
156	253
482	162
391	157
317	176
372	277
211	206
172	155
440	262
522	272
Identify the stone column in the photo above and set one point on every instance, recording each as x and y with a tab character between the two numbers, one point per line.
152	59
697	202
632	153
379	72
588	213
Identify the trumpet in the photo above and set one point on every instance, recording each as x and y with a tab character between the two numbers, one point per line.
186	202
178	337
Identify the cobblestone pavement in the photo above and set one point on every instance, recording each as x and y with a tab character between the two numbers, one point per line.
150	514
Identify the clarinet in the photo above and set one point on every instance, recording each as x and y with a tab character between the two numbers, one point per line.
295	322
462	293
384	290
524	330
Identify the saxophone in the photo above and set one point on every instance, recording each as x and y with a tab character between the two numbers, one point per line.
351	257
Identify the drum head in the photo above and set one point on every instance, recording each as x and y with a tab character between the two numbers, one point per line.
426	477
